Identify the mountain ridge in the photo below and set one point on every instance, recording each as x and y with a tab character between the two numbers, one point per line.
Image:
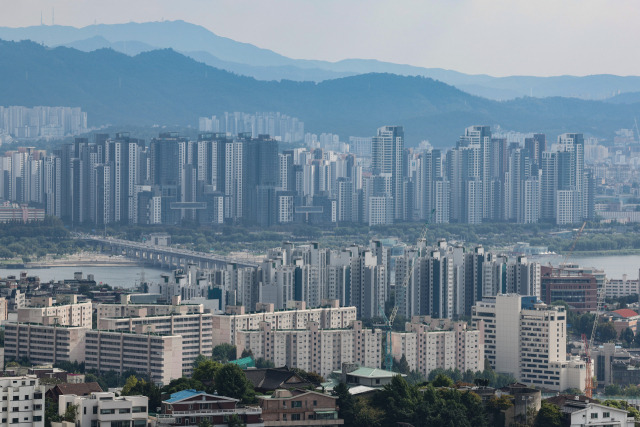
165	87
264	64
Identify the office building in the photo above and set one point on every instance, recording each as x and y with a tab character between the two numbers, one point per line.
527	339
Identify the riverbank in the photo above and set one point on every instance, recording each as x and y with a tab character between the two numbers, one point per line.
82	259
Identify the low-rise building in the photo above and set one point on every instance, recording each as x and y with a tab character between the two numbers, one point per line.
430	344
354	376
622	287
23	401
576	287
623	319
313	349
580	411
107	409
192	407
299	408
331	316
158	356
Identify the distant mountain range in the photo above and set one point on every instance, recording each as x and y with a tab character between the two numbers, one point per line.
166	88
248	60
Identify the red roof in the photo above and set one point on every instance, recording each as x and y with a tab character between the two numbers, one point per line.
626	312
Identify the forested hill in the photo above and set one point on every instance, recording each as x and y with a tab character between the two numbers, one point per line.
165	87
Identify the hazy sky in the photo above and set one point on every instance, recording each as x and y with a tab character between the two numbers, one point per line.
499	37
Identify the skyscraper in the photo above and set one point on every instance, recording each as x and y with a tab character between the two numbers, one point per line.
386	157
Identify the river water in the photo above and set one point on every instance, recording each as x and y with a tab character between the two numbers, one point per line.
613	266
118	276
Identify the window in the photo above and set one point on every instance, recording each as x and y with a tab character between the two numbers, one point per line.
315	403
138	409
37	418
605	415
94	423
296	404
594	416
295	417
124	411
107	411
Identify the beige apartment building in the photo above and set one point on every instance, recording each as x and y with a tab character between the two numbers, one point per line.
159	356
297	316
107	409
143	310
430	344
44	344
195	330
528	340
43	311
313	348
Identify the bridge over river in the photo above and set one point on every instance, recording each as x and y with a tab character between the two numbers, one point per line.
164	256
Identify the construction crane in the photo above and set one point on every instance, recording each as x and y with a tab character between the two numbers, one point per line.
588	343
388	321
573	246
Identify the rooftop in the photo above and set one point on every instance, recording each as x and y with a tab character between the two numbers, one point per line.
184	394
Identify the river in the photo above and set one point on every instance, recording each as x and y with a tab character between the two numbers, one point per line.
117	276
614	266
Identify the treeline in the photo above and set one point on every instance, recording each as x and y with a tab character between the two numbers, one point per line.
37	239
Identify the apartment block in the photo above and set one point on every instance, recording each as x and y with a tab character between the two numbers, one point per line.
195	330
527	339
226	326
25	399
107	409
313	349
158	356
144	310
44	312
44	344
430	344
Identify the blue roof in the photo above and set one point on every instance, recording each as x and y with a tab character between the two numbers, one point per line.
175	397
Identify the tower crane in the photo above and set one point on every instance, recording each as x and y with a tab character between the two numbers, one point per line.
388	321
588	342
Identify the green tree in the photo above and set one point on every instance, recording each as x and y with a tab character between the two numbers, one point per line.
180	384
398	400
205	423
205	373
442	381
401	366
626	335
549	415
235	421
230	381
606	332
50	412
346	403
246	353
366	415
262	363
613	390
224	353
70	413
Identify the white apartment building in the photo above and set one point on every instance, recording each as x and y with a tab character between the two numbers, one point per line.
195	329
44	312
159	356
430	344
622	287
44	344
105	409
527	339
313	349
332	316
23	401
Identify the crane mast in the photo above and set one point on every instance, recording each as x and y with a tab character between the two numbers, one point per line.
388	321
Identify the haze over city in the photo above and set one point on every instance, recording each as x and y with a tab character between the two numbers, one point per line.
500	38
